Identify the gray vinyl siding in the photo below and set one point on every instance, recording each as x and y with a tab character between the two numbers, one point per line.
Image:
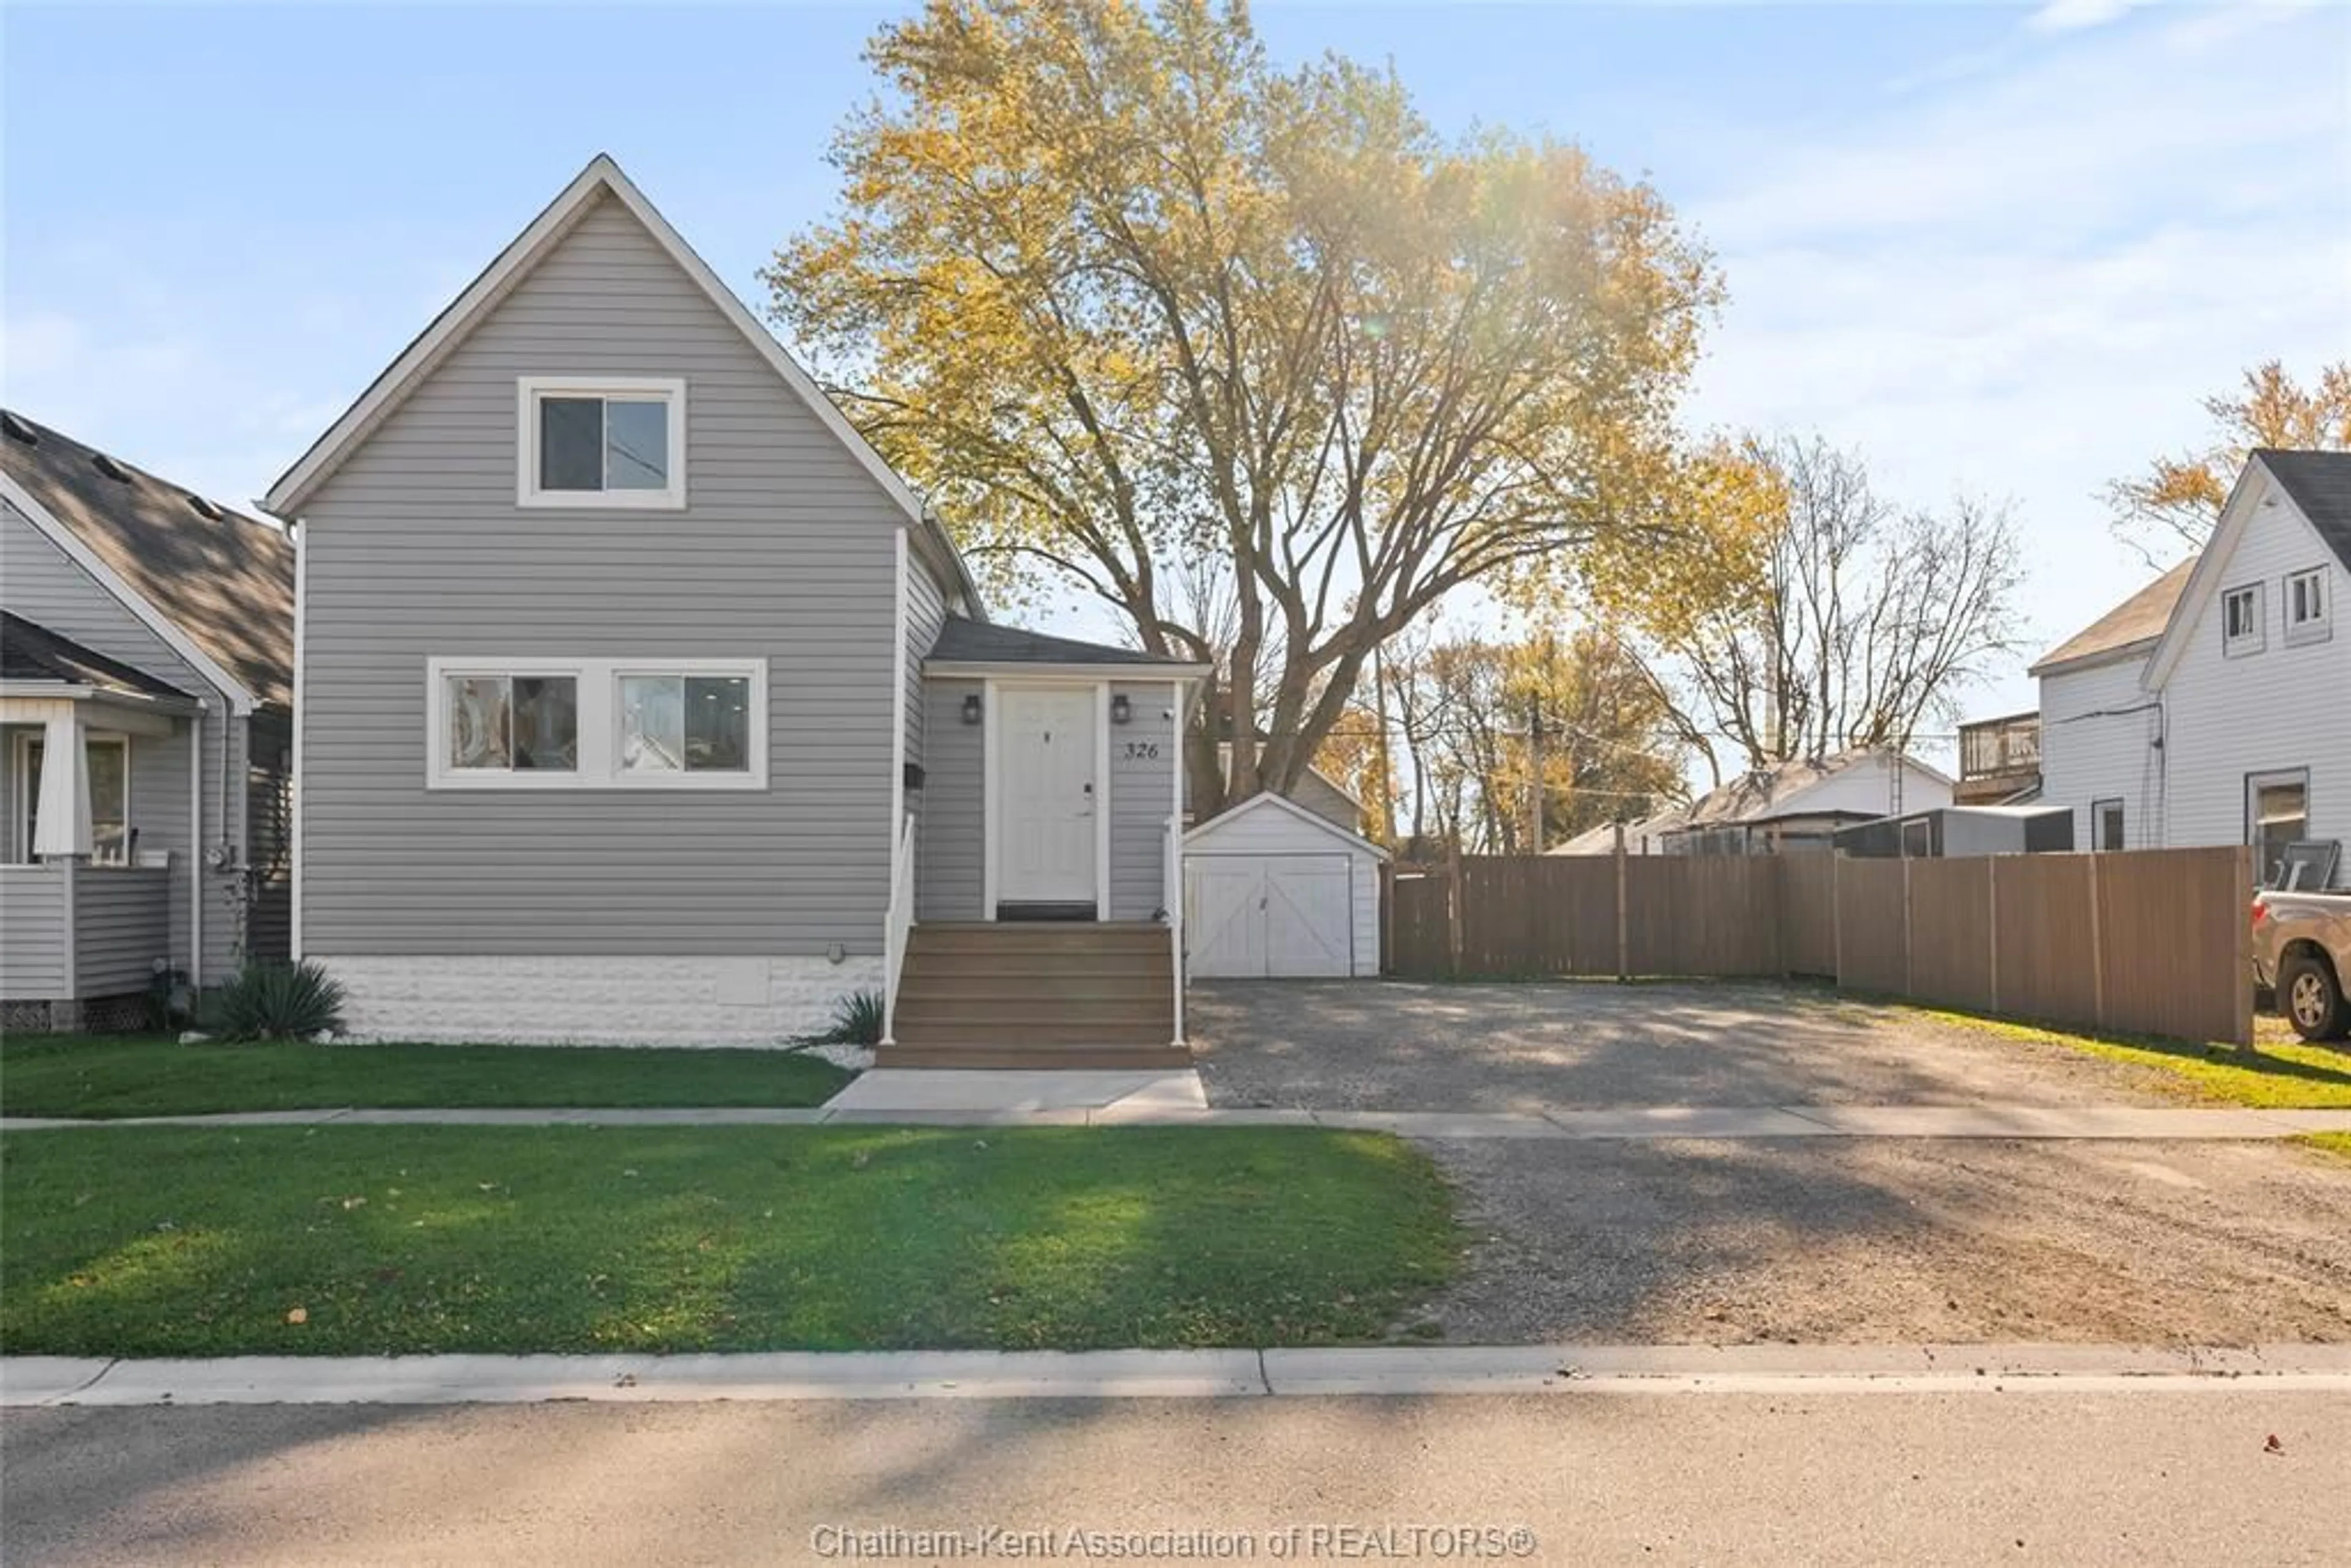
44	585
416	548
1328	801
33	932
951	851
951	868
123	924
1142	798
927	612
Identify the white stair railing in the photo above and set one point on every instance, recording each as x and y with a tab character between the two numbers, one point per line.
898	931
1172	899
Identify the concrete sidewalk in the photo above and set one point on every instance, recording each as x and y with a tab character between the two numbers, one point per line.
1130	1110
1425	1370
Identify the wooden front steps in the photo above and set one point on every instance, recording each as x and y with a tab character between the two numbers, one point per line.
1040	994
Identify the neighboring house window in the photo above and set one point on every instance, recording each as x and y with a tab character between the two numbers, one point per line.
2106	824
2241	620
2277	813
601	442
597	724
1918	839
109	797
2305	606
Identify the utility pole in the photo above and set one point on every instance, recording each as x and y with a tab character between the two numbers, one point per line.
1535	775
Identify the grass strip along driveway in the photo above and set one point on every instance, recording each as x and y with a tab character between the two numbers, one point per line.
81	1075
406	1239
2281	1073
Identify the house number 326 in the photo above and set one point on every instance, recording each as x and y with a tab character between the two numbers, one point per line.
1143	748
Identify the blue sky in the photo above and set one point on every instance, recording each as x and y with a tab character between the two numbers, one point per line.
1998	248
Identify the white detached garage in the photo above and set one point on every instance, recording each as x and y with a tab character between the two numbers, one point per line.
1271	890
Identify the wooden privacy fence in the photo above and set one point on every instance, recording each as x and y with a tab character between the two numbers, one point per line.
2152	941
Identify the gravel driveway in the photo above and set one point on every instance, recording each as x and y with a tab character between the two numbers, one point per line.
1878	1239
1402	1046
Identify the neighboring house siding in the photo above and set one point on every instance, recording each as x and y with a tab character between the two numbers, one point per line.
415	548
121	926
1866	786
950	854
2280	708
33	932
1328	801
1142	797
44	585
2098	729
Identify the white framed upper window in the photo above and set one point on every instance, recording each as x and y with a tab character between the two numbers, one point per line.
2307	608
2241	625
596	724
601	441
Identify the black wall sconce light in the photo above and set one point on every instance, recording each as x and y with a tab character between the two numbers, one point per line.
971	708
1121	710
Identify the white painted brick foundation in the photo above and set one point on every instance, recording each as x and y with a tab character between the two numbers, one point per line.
595	1001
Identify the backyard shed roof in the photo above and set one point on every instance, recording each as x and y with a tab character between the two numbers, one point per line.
1205	834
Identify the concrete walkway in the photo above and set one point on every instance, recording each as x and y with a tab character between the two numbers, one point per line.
26	1381
1636	1122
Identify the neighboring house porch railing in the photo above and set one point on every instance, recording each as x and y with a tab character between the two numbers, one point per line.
898	932
70	931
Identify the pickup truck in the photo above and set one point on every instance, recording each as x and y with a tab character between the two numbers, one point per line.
2301	950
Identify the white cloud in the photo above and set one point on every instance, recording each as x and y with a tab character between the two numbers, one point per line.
2076	15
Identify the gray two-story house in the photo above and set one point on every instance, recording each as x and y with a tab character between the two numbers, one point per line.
637	700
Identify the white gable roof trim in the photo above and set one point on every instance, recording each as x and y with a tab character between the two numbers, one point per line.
2256	487
1269	800
602	177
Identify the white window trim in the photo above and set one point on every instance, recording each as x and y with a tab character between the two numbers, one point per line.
2098	810
529	389
2319	627
600	725
20	784
2255	640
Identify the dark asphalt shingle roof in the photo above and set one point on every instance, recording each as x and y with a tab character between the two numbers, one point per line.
2320	483
29	652
963	641
226	582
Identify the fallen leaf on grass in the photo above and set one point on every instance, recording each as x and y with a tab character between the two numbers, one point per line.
299	1316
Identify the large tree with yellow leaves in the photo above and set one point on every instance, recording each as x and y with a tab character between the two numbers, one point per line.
1142	310
2169	509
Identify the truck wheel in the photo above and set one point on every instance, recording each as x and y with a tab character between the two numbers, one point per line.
2311	998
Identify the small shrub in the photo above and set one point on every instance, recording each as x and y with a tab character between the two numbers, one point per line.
276	1001
856	1019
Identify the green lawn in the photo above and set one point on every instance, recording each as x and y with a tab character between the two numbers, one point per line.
2280	1072
99	1075
345	1241
2332	1143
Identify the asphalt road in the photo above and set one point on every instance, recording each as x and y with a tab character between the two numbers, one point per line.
2045	1475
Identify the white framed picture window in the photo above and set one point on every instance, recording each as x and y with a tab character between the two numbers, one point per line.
571	723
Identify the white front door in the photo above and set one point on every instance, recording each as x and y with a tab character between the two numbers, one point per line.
1046	795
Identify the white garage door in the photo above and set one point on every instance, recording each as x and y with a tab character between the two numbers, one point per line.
1261	916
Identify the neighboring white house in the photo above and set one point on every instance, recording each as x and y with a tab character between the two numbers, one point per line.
2099	726
1792	807
2214	706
